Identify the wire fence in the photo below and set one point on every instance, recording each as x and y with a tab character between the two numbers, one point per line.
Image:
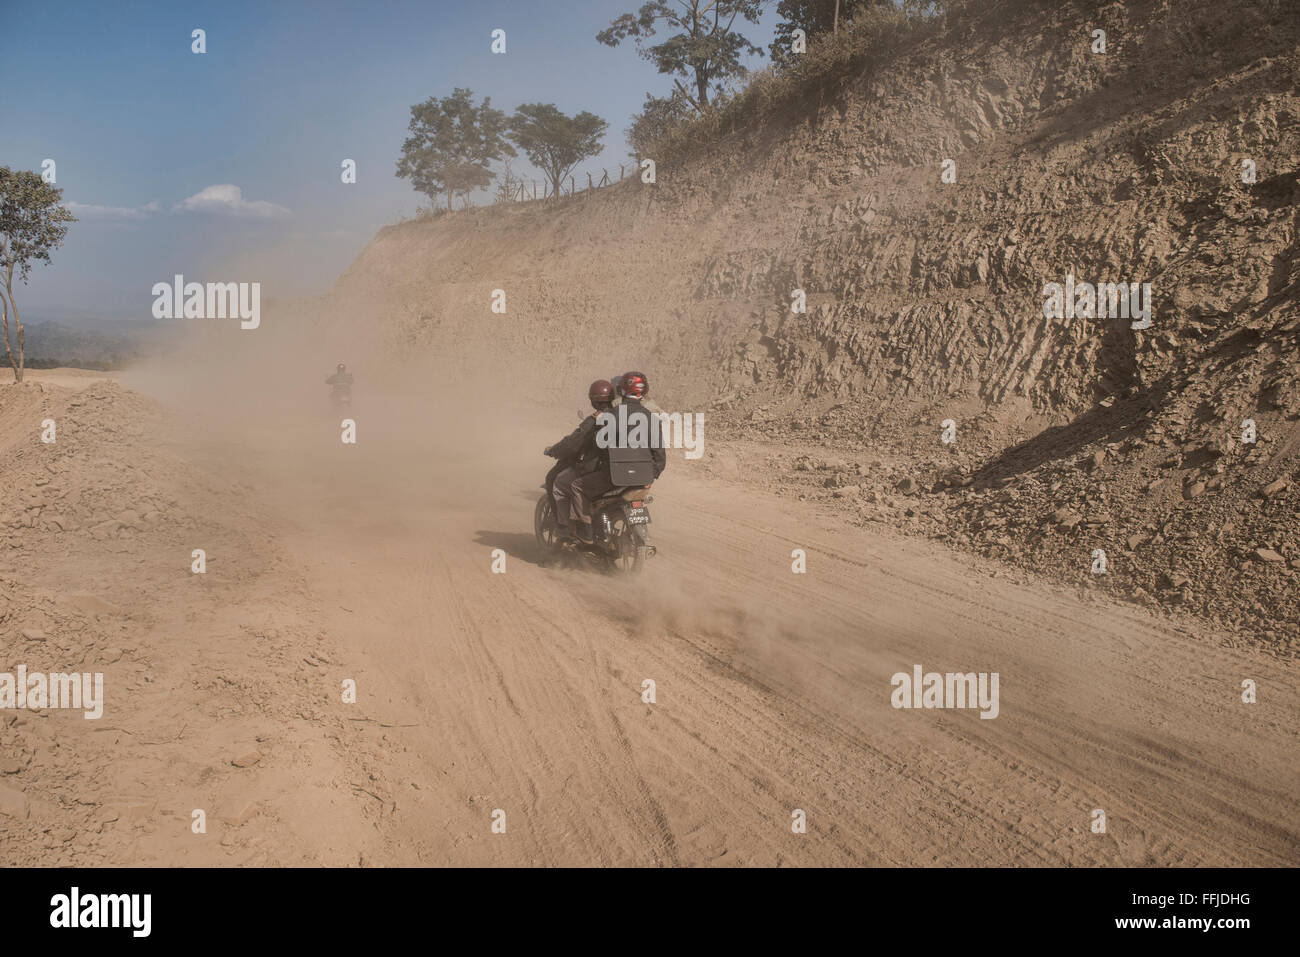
516	190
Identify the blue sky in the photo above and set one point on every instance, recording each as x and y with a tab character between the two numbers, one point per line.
142	129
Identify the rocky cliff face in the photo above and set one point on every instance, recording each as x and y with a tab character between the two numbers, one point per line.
1171	159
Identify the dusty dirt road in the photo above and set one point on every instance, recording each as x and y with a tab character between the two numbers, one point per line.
522	691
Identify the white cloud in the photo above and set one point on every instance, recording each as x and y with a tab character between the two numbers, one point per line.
229	199
91	211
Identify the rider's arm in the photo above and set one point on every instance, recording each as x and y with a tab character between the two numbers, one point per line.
575	441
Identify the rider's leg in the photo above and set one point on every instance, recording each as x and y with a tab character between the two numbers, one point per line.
586	490
556	469
562	494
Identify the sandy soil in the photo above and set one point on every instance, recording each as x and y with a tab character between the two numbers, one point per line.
522	691
69	378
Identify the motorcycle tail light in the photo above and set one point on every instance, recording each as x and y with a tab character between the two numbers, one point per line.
636	504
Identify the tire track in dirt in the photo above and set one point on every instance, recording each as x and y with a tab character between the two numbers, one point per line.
521	691
1181	652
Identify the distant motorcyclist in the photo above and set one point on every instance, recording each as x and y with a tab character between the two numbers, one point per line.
340	384
341	377
579	450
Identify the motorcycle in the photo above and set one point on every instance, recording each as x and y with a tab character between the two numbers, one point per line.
341	398
620	528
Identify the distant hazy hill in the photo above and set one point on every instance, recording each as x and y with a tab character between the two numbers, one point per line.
93	344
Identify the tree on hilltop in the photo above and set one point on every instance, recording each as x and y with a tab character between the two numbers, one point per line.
706	49
33	223
452	144
556	143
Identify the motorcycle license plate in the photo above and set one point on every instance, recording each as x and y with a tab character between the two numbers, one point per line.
638	516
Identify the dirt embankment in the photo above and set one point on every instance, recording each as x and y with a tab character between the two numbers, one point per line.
219	692
925	298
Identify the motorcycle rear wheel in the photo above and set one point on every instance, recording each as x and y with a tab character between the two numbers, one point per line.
630	554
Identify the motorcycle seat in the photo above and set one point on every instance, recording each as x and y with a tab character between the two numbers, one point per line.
630	493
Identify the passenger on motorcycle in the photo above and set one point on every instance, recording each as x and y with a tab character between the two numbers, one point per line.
646	402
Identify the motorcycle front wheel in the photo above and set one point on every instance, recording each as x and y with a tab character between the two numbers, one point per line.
544	525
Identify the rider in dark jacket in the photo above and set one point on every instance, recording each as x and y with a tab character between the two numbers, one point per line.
578	455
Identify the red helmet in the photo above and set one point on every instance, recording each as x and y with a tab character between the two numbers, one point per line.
600	393
633	385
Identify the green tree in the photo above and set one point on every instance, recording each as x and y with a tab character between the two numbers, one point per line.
659	116
33	222
706	49
452	144
556	143
814	18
